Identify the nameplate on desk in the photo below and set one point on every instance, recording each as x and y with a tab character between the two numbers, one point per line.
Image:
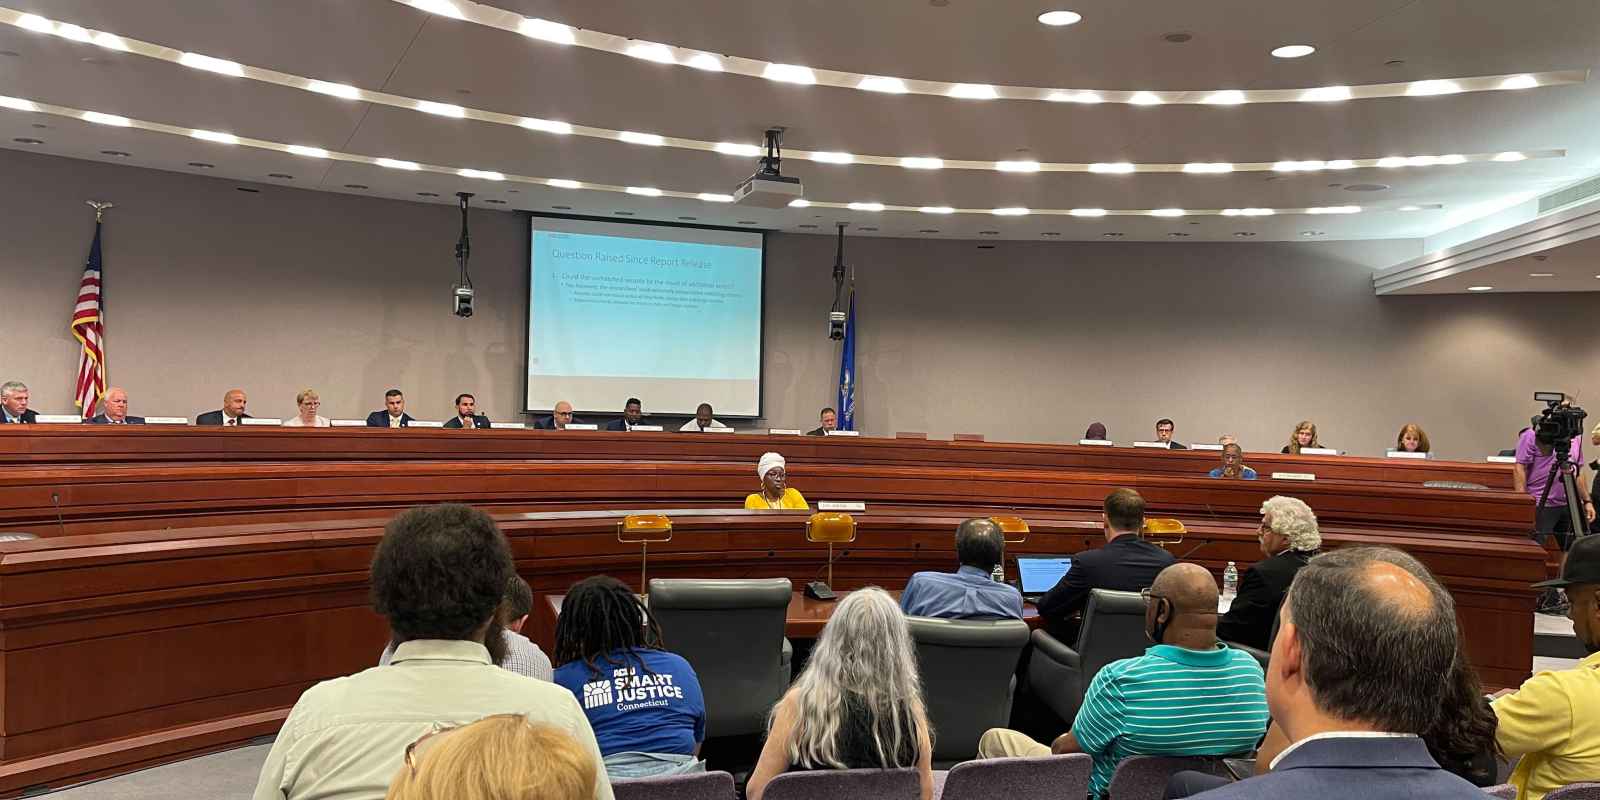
723	429
1097	443
1293	476
166	420
1318	451
651	428
58	419
1205	447
1501	459
260	421
1404	454
581	426
513	426
349	423
419	423
842	433
785	432
1153	445
838	505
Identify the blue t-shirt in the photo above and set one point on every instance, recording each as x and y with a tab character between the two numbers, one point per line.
653	708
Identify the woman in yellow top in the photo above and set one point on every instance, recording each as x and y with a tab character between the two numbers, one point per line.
775	492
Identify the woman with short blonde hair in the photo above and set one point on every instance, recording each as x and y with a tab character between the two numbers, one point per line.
503	757
1304	435
308	402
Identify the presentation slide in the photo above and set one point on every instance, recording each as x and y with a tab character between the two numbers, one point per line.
669	315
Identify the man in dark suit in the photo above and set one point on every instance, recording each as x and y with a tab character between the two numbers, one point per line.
1365	635
231	413
1164	429
467	415
830	421
394	414
14	404
1127	563
558	420
1289	538
632	412
116	413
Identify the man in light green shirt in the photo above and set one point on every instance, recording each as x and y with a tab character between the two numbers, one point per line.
438	576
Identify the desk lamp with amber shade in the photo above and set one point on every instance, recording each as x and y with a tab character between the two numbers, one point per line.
830	527
642	529
1157	528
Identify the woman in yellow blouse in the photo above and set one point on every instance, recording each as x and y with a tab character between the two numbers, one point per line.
775	492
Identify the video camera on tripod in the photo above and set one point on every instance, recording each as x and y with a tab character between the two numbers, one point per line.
1555	428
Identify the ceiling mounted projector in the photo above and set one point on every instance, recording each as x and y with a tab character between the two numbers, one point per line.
769	188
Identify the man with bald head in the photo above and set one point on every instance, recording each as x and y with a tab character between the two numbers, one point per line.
971	592
116	413
559	418
231	413
1366	636
1188	695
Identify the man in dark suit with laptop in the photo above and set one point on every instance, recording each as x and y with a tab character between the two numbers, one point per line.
393	414
1127	563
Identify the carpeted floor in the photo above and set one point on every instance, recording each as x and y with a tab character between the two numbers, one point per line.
229	775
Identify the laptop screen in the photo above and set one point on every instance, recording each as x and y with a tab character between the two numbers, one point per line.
1040	574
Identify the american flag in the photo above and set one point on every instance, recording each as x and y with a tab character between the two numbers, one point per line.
89	328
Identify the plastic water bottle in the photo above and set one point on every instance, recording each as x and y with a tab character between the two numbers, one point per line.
998	574
1230	580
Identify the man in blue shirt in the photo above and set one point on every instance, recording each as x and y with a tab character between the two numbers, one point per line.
971	592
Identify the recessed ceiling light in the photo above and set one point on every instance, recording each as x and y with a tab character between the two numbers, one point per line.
1431	88
210	64
1087	98
546	125
928	230
441	109
644	191
866	228
427	194
919	162
343	90
799	202
1088	212
1226	97
215	136
545	30
734	149
26	140
1390	162
1145	99
634	137
705	61
1050	233
973	91
202	165
395	163
712	197
1017	166
563	183
1541	274
885	85
482	175
1480	288
1056	19
833	158
1167	212
282	176
650	51
1520	82
988	233
1010	212
356	186
937	210
1178	37
1341	163
1510	156
17	104
1294	51
1207	168
865	206
1244	234
36	23
1325	94
110	41
1313	233
1180	235
1112	235
1117	168
106	119
308	152
789	73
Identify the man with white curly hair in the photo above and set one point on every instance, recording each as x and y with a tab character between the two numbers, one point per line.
1289	538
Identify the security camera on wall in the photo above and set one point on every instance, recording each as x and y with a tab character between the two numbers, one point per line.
461	296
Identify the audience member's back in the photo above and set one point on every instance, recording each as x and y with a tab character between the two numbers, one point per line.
438	576
971	592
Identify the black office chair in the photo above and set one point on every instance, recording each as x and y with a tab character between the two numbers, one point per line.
731	632
1113	629
968	670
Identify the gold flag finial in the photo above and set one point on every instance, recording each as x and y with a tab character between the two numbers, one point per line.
99	208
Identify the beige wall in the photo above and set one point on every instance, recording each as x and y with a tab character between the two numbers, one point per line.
210	287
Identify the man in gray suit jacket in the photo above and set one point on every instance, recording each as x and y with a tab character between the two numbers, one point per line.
1366	637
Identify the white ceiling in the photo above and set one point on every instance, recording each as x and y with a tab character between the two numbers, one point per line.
384	45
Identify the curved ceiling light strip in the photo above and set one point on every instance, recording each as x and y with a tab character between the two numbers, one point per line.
227	139
557	33
744	150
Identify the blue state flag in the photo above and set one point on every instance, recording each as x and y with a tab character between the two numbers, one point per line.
847	371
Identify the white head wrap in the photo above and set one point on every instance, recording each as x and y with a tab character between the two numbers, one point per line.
769	461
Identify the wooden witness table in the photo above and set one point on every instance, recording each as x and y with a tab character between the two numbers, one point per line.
197	581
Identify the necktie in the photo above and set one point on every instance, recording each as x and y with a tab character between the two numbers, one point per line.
233	420
394	422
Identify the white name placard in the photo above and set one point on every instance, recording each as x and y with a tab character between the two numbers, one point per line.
1501	459
1097	442
838	505
651	428
1318	451
715	430
1205	447
581	426
166	420
515	426
843	433
1404	454
419	423
1293	476
260	421
58	419
785	432
1153	445
349	423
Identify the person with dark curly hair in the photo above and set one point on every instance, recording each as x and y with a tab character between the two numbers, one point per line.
439	576
644	703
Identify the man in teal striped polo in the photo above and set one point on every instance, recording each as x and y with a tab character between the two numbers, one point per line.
1188	695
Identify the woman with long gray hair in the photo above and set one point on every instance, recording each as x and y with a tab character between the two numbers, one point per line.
858	703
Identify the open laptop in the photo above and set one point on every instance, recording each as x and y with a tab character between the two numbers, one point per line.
1038	574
